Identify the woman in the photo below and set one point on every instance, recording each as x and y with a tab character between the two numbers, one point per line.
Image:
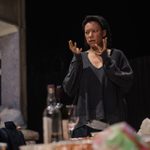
99	78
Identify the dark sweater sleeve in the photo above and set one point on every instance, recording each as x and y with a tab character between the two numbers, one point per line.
118	69
71	80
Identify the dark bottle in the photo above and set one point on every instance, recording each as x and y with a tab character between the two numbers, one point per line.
64	111
60	99
59	93
52	122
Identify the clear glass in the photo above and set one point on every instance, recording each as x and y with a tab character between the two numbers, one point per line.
72	118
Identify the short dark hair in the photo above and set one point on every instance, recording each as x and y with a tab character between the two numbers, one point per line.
102	22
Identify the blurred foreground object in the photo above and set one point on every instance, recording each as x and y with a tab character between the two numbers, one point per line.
11	136
119	136
144	130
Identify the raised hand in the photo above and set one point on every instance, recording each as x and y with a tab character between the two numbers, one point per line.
73	47
98	49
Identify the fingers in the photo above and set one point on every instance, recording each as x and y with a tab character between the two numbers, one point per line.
98	49
105	43
78	50
75	44
70	43
73	47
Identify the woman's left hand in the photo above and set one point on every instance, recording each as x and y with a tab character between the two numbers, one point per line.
99	50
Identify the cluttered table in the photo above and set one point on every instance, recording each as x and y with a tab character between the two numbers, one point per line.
76	144
116	137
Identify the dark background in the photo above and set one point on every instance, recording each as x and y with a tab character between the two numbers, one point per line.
50	26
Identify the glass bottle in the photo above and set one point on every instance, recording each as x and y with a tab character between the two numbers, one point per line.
64	112
59	93
72	118
52	128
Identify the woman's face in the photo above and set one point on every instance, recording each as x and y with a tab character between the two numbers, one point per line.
94	33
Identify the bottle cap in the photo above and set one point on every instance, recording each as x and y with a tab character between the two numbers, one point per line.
50	88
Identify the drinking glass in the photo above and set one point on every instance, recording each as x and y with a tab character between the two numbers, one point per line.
72	118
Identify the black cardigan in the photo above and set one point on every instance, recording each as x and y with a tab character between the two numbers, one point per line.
117	80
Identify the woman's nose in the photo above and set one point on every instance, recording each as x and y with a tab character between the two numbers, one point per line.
90	33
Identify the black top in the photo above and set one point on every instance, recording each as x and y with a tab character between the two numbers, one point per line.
91	82
100	92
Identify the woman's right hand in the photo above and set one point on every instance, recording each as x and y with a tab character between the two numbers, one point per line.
73	47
